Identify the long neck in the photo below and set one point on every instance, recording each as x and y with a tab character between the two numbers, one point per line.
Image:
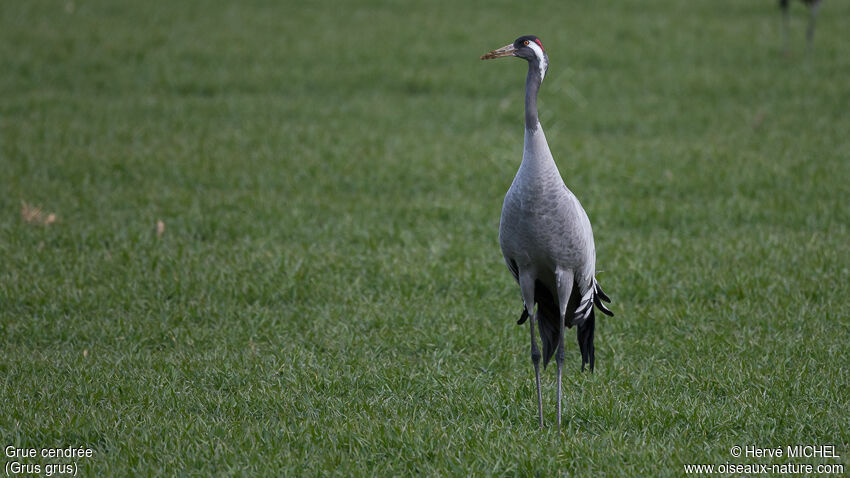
538	167
532	86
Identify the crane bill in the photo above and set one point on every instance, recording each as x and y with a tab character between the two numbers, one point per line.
507	50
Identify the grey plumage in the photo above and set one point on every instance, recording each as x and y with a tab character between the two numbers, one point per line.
546	237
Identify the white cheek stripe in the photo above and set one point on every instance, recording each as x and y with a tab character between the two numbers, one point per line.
541	58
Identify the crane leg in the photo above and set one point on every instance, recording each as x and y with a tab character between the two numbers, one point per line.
565	287
785	49
535	359
810	33
526	285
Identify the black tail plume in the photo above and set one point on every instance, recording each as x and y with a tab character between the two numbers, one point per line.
599	297
523	317
584	333
548	318
583	315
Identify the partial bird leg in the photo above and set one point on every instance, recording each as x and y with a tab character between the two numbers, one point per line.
535	359
565	287
526	285
810	33
785	49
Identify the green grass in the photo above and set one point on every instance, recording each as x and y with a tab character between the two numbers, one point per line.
329	298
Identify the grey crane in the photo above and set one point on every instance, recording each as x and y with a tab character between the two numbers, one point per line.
810	32
546	238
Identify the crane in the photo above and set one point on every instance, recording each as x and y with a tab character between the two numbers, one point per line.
546	238
810	32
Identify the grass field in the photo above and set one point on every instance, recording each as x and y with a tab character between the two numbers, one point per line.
328	296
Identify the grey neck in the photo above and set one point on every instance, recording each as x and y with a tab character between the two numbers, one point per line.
532	86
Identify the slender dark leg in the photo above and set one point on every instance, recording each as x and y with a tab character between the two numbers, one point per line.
785	31
810	33
535	359
559	358
526	286
565	286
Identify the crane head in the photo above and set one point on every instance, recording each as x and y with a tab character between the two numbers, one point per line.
527	47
